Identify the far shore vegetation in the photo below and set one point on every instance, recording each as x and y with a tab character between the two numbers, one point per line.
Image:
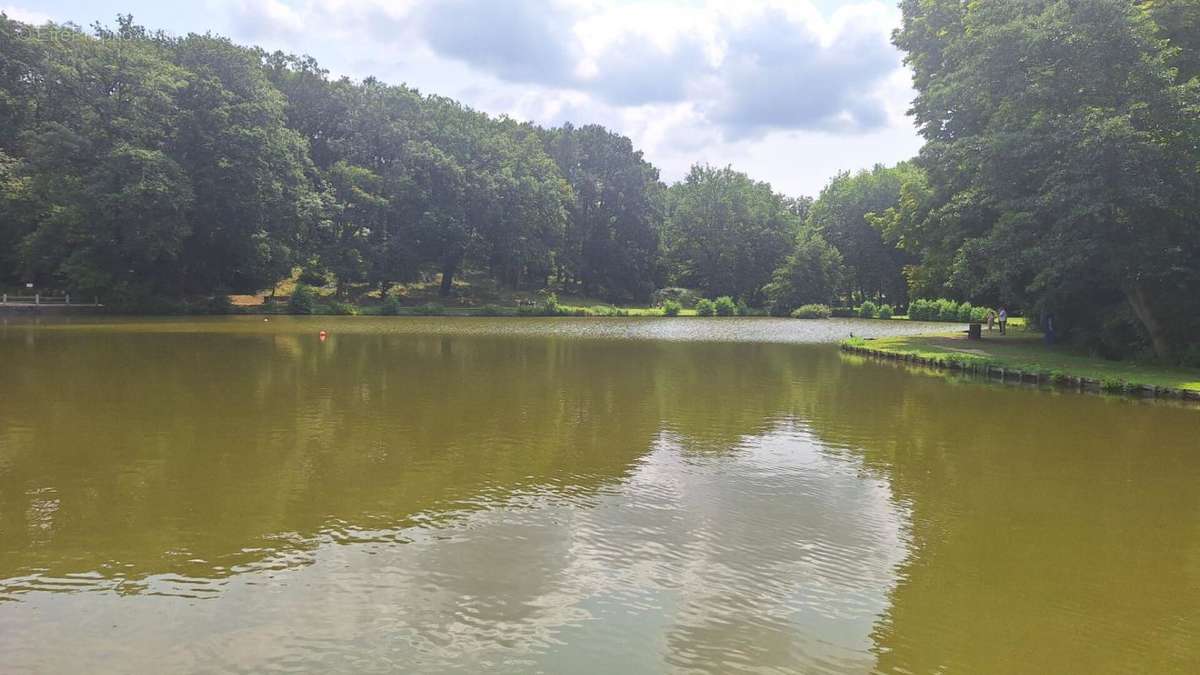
1059	182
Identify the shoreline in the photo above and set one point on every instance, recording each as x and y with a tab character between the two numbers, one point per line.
1084	375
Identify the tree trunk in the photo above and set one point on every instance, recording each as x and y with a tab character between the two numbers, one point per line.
1140	304
449	267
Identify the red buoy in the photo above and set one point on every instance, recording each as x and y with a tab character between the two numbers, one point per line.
323	335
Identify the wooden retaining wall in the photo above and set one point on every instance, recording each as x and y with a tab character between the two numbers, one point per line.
1011	376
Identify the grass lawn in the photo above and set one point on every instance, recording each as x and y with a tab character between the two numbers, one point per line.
1022	350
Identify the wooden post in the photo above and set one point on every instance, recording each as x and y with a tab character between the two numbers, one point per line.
68	301
37	298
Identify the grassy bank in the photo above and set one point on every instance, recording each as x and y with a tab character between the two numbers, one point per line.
1025	351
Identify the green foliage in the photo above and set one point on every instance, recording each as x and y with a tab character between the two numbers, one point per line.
1113	385
868	310
725	234
844	312
491	310
947	310
1060	162
921	310
430	309
550	306
391	306
705	307
339	308
885	311
311	277
965	312
610	246
812	312
843	215
943	309
684	296
303	300
671	308
725	306
809	275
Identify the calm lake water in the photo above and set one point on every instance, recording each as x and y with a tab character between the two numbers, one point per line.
574	495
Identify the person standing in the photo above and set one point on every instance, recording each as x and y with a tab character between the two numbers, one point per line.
1003	320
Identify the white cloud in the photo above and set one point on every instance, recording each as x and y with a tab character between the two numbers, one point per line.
25	15
779	88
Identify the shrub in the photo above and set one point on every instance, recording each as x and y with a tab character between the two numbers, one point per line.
705	307
671	308
390	306
885	311
430	309
491	310
812	312
979	314
551	307
845	312
965	312
868	310
947	310
1112	384
920	310
725	306
303	301
342	308
529	310
742	308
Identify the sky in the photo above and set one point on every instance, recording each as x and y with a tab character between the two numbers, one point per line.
788	91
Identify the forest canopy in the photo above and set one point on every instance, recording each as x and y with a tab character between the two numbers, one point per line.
1060	176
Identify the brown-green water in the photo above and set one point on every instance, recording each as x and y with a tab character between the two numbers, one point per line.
574	495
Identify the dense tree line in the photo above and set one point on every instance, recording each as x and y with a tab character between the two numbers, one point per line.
1062	162
1059	176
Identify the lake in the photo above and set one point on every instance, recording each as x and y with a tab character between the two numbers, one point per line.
574	495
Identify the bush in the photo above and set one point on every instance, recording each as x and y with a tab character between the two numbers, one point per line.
812	312
965	312
845	312
920	310
529	310
342	308
947	310
390	306
705	307
868	310
303	301
551	307
979	314
725	306
430	309
885	311
491	310
671	308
